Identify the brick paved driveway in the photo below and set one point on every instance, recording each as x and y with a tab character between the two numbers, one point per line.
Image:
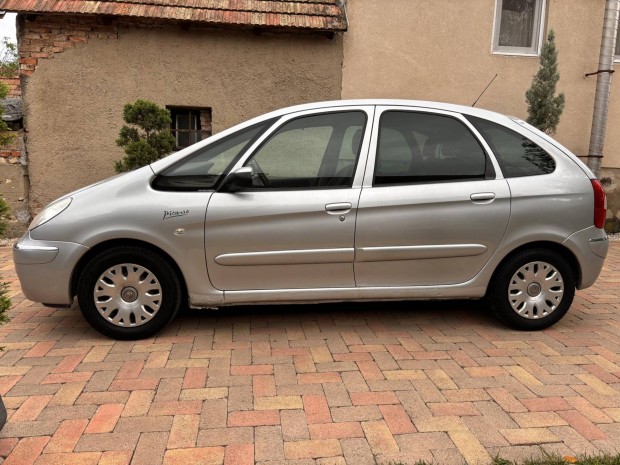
338	384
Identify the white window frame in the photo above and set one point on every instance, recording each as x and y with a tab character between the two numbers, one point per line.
539	22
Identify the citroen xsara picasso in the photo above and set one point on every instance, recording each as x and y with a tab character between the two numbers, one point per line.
336	201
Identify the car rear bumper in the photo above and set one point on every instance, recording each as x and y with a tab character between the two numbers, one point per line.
590	246
44	268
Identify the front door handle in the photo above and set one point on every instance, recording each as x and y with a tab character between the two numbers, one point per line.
338	208
482	197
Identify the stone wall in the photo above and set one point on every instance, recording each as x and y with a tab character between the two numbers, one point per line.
13	176
46	36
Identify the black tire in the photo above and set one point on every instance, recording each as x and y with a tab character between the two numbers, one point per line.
533	270
142	275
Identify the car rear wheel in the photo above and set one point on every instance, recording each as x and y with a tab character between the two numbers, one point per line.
533	289
129	292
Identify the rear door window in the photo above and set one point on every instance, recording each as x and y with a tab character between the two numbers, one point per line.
416	147
517	155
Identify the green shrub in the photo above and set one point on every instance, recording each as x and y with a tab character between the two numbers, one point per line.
5	303
543	106
146	137
9	60
5	211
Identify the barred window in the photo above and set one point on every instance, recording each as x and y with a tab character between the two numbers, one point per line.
190	125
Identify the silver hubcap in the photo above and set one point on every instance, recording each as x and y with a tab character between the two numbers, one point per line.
127	295
535	290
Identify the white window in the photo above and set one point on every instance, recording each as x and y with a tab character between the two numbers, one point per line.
518	26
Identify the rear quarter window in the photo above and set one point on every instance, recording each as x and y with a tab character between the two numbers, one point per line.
517	155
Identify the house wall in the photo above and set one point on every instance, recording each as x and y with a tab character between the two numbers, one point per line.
441	50
81	73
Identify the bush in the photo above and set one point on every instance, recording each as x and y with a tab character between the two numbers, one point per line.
5	211
5	303
5	134
543	107
146	137
9	62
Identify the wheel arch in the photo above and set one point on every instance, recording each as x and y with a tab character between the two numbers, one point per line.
92	252
553	246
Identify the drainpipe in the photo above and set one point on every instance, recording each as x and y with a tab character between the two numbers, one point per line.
603	86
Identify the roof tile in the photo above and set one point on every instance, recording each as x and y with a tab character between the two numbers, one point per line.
324	15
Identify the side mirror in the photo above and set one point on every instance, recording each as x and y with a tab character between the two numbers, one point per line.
238	180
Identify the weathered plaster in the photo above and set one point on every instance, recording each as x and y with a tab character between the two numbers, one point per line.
74	102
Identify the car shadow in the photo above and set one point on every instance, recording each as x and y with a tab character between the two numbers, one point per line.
393	315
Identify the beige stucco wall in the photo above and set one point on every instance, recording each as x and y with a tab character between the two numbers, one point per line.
74	102
441	50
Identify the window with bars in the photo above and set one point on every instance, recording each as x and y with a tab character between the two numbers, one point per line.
190	125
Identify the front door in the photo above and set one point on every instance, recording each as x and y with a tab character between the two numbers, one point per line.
434	211
294	228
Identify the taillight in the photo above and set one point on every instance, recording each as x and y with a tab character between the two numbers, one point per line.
600	204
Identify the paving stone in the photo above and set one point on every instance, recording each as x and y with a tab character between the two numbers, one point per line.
312	449
359	413
150	449
357	451
341	430
64	412
525	436
66	436
470	447
107	441
225	436
202	455
268	443
24	429
294	425
144	424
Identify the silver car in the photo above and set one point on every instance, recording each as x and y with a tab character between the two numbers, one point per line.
336	201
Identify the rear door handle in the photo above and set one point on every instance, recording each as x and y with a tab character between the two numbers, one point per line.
482	197
338	208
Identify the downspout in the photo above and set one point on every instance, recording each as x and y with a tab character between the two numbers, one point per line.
603	86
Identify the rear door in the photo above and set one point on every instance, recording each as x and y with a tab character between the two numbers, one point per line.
433	207
294	229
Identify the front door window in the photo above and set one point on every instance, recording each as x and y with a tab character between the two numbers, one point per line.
311	152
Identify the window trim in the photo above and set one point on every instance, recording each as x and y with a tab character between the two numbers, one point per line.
496	49
490	172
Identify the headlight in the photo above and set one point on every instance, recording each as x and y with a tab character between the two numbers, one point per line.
50	212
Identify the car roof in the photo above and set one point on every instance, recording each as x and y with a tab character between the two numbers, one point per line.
388	102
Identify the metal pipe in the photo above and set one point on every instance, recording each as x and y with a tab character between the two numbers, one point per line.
603	86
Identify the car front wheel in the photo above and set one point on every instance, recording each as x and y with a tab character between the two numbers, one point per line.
533	289
129	292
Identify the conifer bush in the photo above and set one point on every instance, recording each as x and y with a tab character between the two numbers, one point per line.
543	106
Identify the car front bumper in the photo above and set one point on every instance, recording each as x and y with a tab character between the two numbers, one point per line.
44	268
